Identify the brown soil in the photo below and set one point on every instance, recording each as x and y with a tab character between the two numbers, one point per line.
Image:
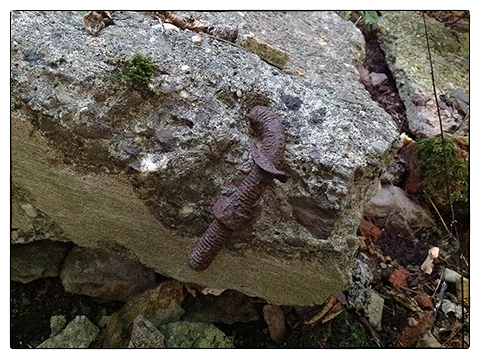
33	304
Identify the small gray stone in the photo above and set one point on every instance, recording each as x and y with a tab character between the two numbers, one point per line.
449	307
29	210
374	309
461	95
361	272
451	276
391	200
79	333
461	106
368	301
57	324
145	335
378	78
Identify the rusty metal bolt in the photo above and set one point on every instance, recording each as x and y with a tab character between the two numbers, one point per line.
232	213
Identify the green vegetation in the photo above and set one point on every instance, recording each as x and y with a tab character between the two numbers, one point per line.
347	332
138	69
370	18
431	166
58	62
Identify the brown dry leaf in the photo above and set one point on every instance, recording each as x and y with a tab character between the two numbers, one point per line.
97	20
224	32
398	278
417	325
424	301
369	230
191	290
181	21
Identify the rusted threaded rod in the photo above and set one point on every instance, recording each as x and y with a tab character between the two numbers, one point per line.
231	214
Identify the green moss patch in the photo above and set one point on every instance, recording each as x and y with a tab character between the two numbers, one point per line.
138	69
436	165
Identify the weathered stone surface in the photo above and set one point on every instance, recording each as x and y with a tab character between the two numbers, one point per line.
136	171
185	335
104	276
454	278
275	319
29	224
57	324
402	38
39	259
391	207
79	333
361	272
369	302
158	305
145	335
450	308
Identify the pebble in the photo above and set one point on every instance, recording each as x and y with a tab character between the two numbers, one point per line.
449	307
454	278
79	333
378	78
461	95
57	324
451	276
197	40
145	335
186	209
29	210
170	28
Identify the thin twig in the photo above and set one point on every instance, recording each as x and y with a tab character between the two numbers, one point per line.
373	333
438	285
453	335
439	215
